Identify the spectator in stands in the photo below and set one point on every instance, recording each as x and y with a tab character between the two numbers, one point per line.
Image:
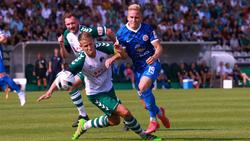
182	73
238	75
162	80
40	71
207	20
221	72
206	74
129	74
234	43
193	73
17	22
46	11
228	72
55	66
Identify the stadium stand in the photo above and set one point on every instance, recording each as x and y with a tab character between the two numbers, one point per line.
176	20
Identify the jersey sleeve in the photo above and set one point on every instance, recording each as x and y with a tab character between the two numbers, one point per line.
107	48
66	42
94	31
152	35
77	65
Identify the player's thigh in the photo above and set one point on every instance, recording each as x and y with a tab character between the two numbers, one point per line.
149	75
145	83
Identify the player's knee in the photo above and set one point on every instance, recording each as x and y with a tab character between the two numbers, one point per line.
142	88
125	113
115	120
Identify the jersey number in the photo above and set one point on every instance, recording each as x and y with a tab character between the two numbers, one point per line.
151	70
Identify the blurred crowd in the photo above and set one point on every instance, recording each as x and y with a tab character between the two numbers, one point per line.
224	21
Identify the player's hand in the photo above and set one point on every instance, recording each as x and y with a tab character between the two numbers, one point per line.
110	34
150	60
47	95
60	39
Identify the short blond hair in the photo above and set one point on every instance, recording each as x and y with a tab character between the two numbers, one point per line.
136	7
84	36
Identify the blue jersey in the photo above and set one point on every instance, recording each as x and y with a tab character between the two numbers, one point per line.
2	67
138	44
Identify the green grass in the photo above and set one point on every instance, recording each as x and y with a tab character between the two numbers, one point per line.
206	114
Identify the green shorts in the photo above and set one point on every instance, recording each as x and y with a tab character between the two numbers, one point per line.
105	101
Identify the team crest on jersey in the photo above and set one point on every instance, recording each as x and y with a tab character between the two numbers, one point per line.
145	38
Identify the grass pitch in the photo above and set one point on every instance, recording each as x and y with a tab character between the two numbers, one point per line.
205	114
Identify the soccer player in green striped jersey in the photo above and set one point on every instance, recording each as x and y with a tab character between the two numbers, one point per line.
95	64
69	44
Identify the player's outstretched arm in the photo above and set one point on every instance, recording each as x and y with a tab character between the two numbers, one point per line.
49	93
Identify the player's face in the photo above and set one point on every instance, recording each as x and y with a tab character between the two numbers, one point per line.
71	24
88	47
134	19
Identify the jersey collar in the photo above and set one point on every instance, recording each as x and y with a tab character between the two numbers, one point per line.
133	29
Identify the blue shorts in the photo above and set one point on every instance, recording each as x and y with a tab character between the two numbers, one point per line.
151	71
3	84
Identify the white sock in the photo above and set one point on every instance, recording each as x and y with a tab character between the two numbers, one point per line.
152	118
87	125
82	111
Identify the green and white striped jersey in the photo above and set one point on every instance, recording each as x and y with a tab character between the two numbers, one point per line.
97	77
71	42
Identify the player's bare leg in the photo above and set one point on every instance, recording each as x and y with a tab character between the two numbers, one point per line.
6	92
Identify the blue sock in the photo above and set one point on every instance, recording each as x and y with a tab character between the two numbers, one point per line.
150	103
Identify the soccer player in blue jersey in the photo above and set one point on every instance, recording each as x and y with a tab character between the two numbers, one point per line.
144	48
5	80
